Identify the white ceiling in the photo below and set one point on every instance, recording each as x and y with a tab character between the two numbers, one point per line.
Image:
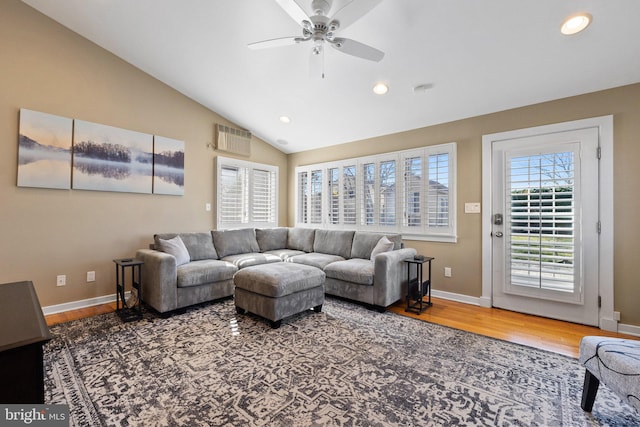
479	56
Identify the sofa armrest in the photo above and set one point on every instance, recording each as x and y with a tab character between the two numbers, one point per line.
390	276
159	279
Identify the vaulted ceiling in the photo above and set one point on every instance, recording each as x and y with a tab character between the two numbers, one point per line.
474	57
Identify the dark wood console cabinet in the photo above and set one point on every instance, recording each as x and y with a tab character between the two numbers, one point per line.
23	332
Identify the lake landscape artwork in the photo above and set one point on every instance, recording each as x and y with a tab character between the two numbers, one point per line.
106	158
168	166
44	150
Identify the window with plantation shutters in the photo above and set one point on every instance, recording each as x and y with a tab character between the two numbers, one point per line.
233	196
438	191
263	197
428	193
303	197
247	194
315	199
411	192
349	200
333	177
369	194
387	200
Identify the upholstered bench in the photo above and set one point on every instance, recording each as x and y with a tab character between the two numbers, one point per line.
616	363
278	290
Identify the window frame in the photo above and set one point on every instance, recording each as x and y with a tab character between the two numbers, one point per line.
248	219
423	231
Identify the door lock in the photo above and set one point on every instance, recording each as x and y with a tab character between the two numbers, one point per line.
498	234
497	219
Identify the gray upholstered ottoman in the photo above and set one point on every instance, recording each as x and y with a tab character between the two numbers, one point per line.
278	290
616	363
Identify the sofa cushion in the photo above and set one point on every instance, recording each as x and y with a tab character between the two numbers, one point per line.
285	254
333	242
365	241
270	239
175	247
278	280
356	270
301	239
232	242
253	258
315	259
199	245
383	245
202	272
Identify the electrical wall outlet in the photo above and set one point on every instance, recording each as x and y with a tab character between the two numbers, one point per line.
447	272
616	316
91	276
61	280
207	207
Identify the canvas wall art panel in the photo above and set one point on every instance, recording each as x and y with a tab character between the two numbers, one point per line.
168	166
44	150
106	158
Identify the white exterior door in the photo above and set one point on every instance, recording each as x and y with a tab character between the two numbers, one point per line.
545	225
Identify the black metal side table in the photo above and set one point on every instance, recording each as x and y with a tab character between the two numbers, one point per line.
418	287
132	311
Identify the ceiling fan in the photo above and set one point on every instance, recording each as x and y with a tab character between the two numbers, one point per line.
321	28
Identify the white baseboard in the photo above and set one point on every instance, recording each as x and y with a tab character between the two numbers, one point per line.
466	299
608	325
629	329
75	305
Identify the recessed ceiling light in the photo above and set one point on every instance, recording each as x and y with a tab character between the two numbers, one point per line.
281	142
285	119
380	89
575	23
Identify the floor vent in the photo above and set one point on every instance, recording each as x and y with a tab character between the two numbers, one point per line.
232	140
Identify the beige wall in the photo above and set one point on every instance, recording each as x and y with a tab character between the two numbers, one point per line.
45	67
465	257
44	232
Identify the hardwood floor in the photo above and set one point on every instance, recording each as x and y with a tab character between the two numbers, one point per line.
539	332
547	334
68	316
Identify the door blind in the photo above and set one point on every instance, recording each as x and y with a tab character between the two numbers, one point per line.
542	221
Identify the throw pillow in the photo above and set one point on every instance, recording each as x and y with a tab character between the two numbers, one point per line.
176	248
383	245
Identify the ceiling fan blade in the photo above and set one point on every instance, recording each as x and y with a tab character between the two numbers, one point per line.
282	41
294	10
361	50
353	11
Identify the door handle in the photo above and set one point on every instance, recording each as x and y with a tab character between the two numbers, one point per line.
498	234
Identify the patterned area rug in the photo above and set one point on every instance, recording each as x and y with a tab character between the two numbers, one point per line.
346	366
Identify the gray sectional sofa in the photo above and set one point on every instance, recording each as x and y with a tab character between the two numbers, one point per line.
182	269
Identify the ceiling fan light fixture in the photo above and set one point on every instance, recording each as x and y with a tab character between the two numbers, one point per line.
380	88
575	23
